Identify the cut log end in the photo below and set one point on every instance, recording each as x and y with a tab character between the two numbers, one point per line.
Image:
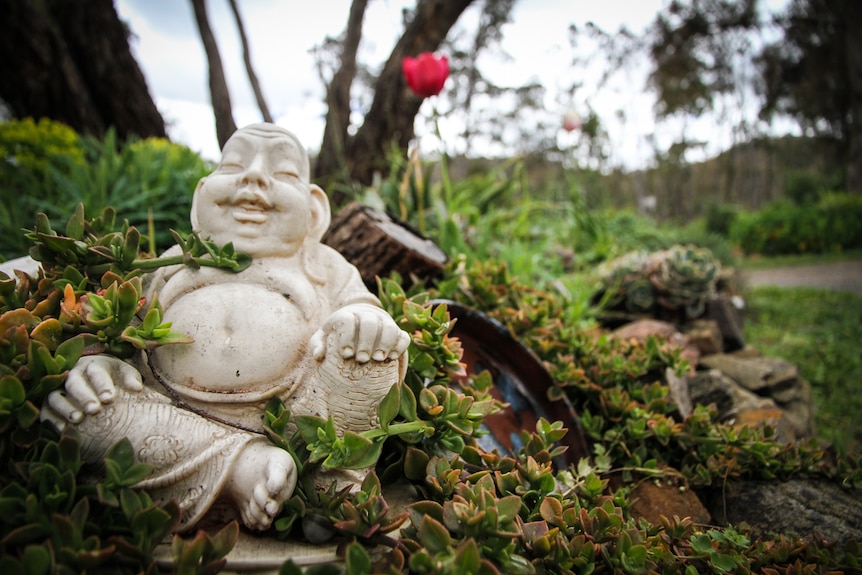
378	244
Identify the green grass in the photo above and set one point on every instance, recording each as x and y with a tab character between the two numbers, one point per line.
820	331
763	262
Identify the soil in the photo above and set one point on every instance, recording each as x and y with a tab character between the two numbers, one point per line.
839	276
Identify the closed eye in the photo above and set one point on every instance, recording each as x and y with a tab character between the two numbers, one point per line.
286	176
231	168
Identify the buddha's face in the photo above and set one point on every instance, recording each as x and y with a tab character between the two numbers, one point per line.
259	197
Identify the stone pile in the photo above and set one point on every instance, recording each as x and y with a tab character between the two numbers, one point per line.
747	389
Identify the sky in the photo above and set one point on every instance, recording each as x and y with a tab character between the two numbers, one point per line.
167	46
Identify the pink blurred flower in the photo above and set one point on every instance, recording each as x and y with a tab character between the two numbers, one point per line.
571	121
426	73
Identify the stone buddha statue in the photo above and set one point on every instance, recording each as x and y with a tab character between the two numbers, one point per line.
297	324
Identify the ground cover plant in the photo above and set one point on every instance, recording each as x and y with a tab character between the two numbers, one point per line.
477	511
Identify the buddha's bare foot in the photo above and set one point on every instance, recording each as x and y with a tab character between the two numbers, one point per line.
263	478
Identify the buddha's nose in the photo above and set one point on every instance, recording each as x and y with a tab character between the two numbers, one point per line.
255	174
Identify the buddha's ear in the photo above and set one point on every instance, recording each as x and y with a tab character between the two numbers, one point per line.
321	214
194	212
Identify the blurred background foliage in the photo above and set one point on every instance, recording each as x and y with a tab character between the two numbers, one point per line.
46	167
552	227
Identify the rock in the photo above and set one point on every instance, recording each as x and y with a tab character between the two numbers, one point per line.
801	507
678	391
705	335
772	378
641	329
650	499
799	412
726	311
747	352
729	398
774	417
644	328
762	375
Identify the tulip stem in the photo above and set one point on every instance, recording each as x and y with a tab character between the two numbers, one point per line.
448	226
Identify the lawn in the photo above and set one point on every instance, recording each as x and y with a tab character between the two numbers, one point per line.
819	331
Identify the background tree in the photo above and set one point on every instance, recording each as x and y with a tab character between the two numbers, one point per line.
390	118
219	93
744	68
814	74
473	84
70	63
249	67
331	161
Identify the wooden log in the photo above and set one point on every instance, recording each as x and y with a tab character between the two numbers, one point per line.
378	244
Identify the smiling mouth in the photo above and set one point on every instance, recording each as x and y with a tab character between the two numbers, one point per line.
249	212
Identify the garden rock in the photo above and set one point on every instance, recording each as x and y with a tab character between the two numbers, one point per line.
705	335
763	375
652	499
642	329
804	507
772	378
726	310
729	398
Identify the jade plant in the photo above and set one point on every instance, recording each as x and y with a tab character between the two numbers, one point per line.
489	512
436	410
86	299
473	510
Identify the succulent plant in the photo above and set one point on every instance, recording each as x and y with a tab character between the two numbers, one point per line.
680	279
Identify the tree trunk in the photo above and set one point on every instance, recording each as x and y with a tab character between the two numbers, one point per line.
390	118
246	57
70	61
331	161
219	94
853	55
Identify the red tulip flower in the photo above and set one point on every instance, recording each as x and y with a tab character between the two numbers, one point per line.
426	73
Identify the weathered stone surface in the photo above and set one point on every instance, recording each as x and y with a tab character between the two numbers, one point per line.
800	506
763	375
715	387
768	377
641	329
653	499
678	391
705	335
800	412
747	352
726	310
773	417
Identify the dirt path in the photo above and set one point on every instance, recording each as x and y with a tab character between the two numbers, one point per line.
839	276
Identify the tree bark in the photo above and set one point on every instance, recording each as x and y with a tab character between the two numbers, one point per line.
219	93
379	245
331	160
249	68
70	61
390	118
853	55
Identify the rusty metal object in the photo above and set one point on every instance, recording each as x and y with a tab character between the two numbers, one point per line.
520	380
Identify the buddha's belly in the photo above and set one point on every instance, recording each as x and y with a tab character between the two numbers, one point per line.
247	340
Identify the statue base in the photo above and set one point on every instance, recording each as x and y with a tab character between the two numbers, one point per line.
262	555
